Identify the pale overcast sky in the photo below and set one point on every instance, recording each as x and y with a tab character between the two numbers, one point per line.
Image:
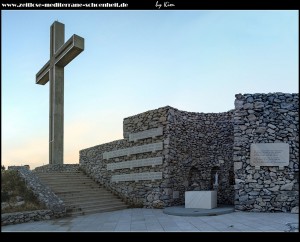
135	61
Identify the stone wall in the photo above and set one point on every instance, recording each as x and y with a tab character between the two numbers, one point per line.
140	193
266	118
196	147
201	146
188	141
28	216
44	195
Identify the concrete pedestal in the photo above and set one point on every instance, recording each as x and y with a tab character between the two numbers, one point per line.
201	199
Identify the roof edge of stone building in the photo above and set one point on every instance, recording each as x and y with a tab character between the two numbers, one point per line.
178	110
151	110
240	95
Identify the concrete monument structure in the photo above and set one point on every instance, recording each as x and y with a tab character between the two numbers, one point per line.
247	157
61	54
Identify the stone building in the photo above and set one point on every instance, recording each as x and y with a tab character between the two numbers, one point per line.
166	152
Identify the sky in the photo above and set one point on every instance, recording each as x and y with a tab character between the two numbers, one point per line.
135	61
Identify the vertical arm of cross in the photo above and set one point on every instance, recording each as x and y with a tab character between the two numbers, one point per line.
56	98
60	55
57	37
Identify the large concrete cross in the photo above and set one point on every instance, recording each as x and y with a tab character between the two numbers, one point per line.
61	54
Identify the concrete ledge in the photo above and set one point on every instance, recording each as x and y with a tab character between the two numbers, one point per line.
195	212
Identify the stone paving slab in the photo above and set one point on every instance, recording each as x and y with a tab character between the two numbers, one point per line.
155	220
182	211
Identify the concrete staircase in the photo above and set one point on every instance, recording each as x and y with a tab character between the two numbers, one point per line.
80	193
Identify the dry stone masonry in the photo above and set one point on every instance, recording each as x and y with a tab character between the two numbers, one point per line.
42	192
266	152
28	216
56	207
132	167
249	155
201	146
155	163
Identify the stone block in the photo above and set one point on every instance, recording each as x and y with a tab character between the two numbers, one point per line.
238	165
175	194
295	209
287	187
243	198
201	199
274	189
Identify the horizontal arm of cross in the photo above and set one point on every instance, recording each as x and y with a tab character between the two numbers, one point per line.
69	50
64	55
42	77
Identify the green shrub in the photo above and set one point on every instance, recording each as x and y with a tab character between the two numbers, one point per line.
4	196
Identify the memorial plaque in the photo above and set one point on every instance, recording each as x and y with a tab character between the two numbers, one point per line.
137	176
133	150
269	154
135	163
150	133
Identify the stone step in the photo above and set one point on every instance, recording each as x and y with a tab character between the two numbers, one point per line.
80	193
74	197
79	185
79	189
71	179
97	210
61	176
87	192
59	173
69	176
78	197
66	181
88	199
82	196
85	210
64	177
53	178
82	185
73	175
87	205
99	202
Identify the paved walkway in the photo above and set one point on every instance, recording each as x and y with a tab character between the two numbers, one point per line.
150	220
